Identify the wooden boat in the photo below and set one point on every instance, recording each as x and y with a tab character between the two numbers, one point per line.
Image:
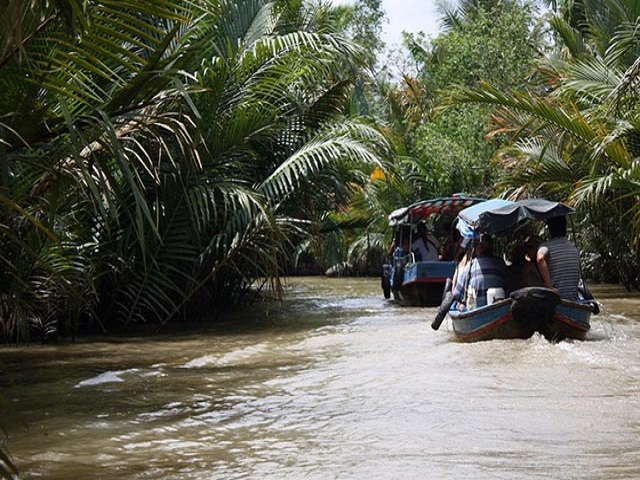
527	310
421	283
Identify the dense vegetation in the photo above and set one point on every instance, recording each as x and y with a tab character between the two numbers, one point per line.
166	158
165	155
573	133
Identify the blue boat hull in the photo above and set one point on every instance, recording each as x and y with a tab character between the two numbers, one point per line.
419	283
507	319
571	320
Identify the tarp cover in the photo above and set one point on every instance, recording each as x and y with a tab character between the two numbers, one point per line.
417	212
469	218
496	215
509	216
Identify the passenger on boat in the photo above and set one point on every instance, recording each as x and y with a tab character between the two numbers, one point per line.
523	271
400	244
400	250
485	271
452	249
559	260
425	247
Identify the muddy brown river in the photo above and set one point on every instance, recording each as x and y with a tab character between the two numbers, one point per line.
334	383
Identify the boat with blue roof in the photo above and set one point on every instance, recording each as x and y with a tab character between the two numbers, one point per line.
524	311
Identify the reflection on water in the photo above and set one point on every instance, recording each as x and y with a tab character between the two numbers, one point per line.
334	383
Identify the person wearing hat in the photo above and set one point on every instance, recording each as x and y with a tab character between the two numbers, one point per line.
485	271
559	260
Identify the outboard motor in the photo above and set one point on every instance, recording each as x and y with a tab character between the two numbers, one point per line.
535	306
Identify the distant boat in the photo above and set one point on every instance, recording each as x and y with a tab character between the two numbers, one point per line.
411	281
527	310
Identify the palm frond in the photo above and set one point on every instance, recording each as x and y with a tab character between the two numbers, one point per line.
592	82
327	149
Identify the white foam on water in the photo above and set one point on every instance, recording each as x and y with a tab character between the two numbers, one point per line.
105	377
240	356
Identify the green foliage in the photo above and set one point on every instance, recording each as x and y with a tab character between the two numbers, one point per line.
439	153
486	41
452	154
83	99
363	22
152	155
491	43
576	139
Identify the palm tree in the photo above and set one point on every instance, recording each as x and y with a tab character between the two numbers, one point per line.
156	152
84	96
281	136
578	143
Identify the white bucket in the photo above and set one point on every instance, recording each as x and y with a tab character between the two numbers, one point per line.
495	295
470	299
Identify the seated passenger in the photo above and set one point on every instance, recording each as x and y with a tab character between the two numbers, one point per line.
399	251
483	272
425	247
452	249
400	245
523	271
559	260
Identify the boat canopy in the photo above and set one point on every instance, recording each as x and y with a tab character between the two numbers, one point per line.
420	211
497	215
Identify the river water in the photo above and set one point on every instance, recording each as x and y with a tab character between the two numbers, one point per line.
335	383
